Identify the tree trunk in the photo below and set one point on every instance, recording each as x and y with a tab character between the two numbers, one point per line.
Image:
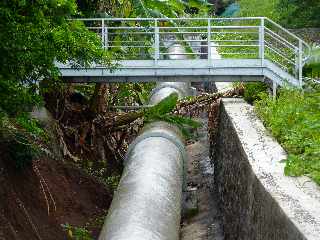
98	103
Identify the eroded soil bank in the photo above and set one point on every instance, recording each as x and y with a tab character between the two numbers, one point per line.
36	200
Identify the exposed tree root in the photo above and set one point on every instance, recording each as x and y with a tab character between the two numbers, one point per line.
101	141
45	189
13	231
24	210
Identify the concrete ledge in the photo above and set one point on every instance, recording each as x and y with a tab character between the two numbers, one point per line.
257	200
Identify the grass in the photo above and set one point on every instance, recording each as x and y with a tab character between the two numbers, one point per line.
294	120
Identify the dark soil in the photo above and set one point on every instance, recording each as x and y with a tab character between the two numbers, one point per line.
205	222
36	200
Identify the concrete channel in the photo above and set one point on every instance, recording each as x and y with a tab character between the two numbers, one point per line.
242	192
256	199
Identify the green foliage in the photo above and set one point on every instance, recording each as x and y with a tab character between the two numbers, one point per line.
133	93
312	68
140	8
85	89
148	9
290	13
35	34
31	125
16	98
258	8
166	105
113	181
252	91
162	112
21	151
76	233
299	14
294	119
18	135
248	8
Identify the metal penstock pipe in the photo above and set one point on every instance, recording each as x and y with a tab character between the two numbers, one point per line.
147	203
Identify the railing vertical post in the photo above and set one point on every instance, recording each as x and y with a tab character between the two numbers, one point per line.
156	42
103	33
106	37
261	40
300	65
274	90
209	42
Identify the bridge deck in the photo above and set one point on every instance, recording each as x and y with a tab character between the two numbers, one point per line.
194	70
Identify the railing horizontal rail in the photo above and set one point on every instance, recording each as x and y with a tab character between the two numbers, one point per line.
243	40
280	54
178	40
281	65
167	19
183	54
181	32
280	39
234	45
237	53
285	30
236	32
128	33
281	50
128	46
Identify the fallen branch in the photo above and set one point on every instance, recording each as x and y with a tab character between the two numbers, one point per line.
208	98
118	121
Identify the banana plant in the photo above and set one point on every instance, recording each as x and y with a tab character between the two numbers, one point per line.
163	112
160	8
139	8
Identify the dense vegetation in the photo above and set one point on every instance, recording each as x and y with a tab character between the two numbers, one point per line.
312	68
88	132
290	13
294	116
294	119
35	34
93	135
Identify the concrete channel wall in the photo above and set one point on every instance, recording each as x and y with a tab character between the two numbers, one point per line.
256	199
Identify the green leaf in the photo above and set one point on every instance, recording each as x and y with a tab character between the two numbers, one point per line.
166	105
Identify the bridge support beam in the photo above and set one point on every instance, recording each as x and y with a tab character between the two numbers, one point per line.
187	78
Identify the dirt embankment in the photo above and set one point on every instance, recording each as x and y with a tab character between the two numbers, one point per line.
35	201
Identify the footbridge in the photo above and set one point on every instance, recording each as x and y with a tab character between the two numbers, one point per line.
217	49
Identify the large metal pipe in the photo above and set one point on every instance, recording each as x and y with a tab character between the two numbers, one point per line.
147	203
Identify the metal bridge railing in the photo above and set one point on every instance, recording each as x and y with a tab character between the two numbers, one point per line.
244	38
